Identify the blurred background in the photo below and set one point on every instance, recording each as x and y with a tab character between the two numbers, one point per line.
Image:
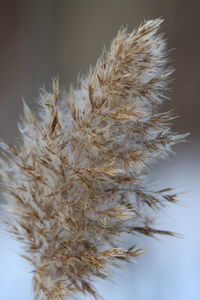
43	39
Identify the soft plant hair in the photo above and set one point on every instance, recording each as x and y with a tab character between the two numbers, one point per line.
75	184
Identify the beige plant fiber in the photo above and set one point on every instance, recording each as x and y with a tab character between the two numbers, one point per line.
76	182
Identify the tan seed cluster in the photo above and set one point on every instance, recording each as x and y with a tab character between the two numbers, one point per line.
76	182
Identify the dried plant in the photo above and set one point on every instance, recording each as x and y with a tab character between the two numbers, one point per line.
76	182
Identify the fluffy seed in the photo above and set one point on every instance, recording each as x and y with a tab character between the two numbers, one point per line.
76	182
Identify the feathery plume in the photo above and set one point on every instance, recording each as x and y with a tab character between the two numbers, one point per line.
76	183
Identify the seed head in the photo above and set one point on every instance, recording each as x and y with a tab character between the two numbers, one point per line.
76	182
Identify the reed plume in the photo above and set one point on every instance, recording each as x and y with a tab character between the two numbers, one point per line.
76	182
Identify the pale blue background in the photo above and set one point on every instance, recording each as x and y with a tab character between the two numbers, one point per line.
42	39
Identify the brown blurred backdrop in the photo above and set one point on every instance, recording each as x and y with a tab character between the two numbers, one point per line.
40	39
44	38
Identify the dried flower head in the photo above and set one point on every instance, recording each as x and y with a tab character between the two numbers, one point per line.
76	182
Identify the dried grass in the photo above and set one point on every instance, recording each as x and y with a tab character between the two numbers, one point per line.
76	182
